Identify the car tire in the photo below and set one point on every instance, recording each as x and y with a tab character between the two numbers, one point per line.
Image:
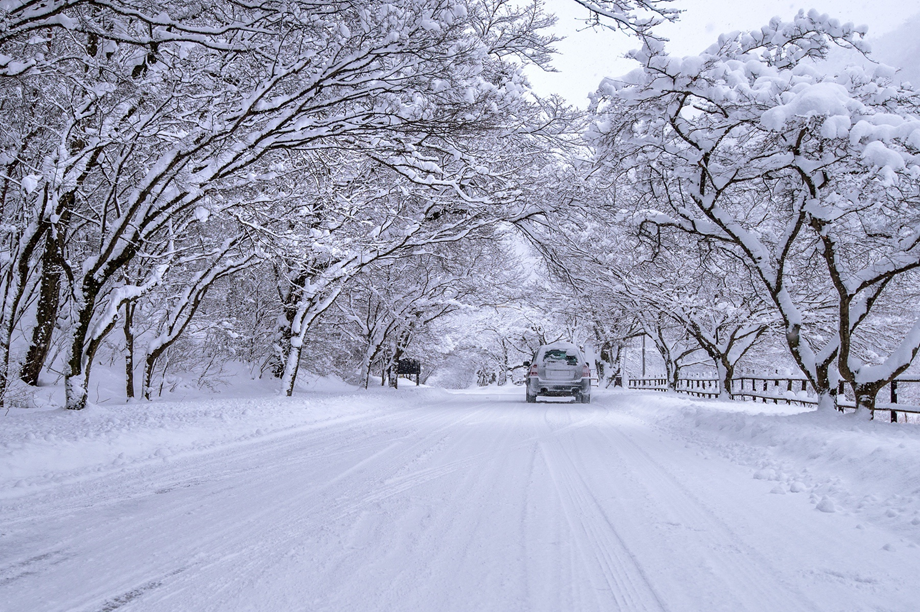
531	399
584	399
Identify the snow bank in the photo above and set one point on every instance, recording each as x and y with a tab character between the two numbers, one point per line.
40	448
843	464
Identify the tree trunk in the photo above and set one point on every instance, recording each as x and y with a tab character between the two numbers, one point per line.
148	376
150	362
615	375
291	365
367	374
865	400
15	281
75	375
49	300
820	376
129	348
726	374
671	367
75	389
5	341
369	357
394	367
81	348
289	295
827	392
93	347
673	373
604	364
300	314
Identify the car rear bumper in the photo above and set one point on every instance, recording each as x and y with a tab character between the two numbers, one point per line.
558	388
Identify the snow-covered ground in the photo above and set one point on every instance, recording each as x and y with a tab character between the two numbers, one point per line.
423	499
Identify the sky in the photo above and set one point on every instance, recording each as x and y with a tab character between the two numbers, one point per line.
587	56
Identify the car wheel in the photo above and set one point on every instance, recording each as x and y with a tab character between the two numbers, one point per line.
531	399
585	399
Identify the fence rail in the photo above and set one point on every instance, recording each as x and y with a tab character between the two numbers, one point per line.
769	389
697	387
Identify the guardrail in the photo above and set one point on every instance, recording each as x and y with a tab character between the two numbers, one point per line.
770	389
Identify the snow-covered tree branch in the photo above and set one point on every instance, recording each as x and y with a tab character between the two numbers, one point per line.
760	144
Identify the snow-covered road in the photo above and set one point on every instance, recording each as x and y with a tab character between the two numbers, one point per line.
443	501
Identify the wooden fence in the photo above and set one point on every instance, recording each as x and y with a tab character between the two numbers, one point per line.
903	393
697	387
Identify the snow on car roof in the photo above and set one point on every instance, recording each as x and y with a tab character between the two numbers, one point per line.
560	346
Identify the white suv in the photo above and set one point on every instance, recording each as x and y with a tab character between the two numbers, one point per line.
559	370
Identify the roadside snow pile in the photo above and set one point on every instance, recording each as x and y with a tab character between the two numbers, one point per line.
40	448
843	464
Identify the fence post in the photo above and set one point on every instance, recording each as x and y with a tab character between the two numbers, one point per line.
894	400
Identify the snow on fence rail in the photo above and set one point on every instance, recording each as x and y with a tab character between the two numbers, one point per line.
697	387
789	390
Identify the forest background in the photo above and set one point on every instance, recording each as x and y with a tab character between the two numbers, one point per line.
193	190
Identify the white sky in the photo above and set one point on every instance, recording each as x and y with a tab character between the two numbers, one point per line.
587	56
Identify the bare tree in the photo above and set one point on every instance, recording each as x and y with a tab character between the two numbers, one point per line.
788	166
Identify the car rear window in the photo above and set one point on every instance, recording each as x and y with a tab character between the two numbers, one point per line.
560	355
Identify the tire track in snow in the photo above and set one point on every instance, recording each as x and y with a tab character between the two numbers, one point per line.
471	514
341	509
349	499
601	549
223	478
428	552
747	575
554	565
348	496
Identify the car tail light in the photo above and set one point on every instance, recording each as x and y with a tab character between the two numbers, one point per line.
533	371
586	371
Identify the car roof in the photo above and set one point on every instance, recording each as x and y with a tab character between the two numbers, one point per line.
568	347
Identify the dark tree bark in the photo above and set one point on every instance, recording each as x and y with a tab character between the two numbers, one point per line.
49	301
129	348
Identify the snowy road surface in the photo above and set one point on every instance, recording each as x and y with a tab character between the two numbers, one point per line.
435	501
